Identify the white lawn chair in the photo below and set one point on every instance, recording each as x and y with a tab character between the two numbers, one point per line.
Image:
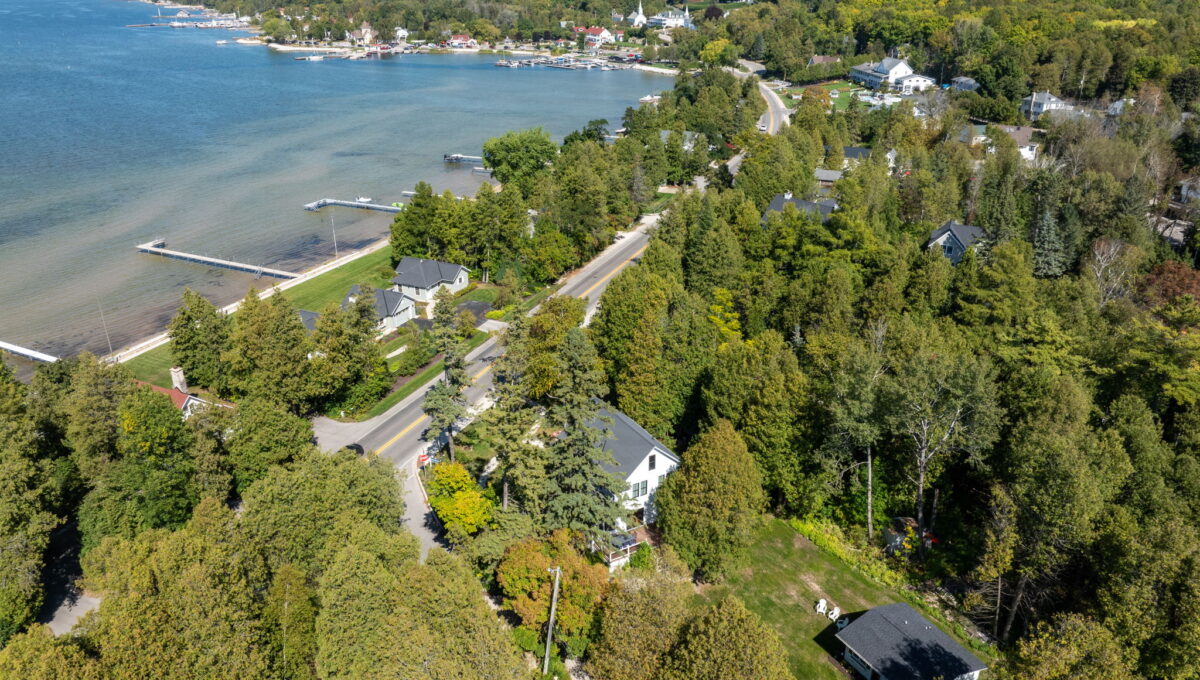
834	614
822	606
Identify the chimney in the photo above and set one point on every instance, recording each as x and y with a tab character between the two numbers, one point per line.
177	380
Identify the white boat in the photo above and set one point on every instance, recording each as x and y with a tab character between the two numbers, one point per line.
222	42
312	57
363	199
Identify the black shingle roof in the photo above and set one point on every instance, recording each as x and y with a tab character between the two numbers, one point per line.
966	234
387	302
419	273
629	442
821	209
902	645
309	319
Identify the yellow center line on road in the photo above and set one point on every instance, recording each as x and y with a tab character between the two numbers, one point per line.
488	367
612	273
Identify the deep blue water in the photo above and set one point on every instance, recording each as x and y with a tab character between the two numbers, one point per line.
111	136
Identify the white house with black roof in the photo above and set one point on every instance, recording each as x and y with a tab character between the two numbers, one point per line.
420	279
639	459
821	209
955	239
894	642
392	309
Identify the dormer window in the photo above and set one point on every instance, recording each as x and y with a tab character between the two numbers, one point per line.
652	457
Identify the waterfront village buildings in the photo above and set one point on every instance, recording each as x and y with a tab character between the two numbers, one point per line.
889	73
462	41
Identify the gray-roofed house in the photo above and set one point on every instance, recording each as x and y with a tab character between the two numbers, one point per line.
309	319
964	83
392	309
955	239
826	178
821	209
639	459
420	279
894	642
819	59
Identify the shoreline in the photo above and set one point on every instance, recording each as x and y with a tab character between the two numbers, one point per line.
155	341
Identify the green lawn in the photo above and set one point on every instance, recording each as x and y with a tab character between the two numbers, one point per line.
372	269
153	367
785	576
483	292
846	91
657	203
429	373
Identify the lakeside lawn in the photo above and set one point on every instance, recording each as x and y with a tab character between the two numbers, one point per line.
846	91
373	269
782	581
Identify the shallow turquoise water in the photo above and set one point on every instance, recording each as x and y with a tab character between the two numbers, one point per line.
111	136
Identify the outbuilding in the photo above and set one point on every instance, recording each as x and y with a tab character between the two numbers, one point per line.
894	642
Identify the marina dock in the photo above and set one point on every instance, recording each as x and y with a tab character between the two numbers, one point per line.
324	202
158	247
461	158
27	353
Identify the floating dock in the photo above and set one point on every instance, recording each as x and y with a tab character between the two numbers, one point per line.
324	202
158	247
27	353
461	158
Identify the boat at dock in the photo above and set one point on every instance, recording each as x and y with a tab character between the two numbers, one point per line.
311	57
363	199
222	42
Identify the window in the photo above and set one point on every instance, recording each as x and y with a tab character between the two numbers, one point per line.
637	489
652	457
660	479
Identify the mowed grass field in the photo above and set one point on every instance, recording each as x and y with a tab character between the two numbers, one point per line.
845	92
372	269
783	580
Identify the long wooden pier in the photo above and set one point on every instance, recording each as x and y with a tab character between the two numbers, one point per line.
324	202
27	353
158	247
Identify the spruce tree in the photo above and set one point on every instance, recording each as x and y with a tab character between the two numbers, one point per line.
199	333
584	496
509	421
1050	258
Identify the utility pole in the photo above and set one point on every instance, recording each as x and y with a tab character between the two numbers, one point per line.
334	228
550	629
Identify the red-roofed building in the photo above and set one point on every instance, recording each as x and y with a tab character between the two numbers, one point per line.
595	35
186	403
462	41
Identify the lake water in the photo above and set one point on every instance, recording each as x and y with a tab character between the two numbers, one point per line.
113	136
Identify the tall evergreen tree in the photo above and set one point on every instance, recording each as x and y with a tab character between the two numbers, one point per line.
586	495
1050	256
444	403
709	506
199	334
268	356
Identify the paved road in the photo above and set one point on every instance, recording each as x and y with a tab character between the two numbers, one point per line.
396	434
772	120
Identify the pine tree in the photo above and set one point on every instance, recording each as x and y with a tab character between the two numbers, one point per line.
91	413
1050	258
509	422
709	506
585	498
199	334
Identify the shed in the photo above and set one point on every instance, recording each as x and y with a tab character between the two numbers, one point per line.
894	642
